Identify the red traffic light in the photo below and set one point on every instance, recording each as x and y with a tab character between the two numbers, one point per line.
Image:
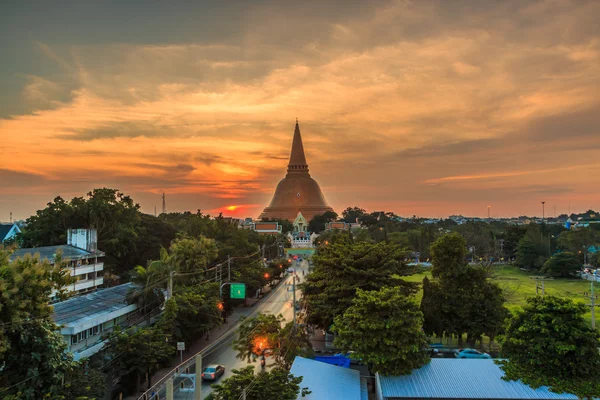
266	276
220	306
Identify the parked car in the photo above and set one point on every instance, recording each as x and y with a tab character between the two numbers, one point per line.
470	353
213	372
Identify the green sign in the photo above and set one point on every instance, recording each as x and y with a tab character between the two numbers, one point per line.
238	291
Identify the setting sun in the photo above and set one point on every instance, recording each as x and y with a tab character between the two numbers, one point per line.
232	208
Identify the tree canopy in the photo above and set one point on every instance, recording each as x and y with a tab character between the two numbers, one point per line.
562	265
548	343
317	223
462	299
276	384
383	328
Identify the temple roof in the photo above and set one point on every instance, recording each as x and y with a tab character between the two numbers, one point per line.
297	192
297	157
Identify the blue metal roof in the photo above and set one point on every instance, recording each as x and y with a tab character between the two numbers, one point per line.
326	381
91	305
49	252
339	361
449	378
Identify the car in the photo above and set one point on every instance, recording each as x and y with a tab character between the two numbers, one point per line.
470	353
213	372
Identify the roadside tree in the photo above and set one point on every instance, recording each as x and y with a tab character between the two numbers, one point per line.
341	268
383	328
277	384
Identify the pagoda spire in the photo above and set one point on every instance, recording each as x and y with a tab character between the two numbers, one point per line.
297	158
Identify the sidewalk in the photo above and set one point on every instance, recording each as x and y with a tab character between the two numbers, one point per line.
200	343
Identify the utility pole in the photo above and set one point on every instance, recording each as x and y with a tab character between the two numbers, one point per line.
228	268
198	377
11	217
294	297
244	394
155	211
489	212
537	285
170	389
543	211
164	205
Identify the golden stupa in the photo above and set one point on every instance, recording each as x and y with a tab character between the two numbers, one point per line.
297	192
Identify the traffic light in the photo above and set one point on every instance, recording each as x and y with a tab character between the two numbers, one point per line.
266	275
220	306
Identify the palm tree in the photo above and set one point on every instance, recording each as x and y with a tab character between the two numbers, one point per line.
150	283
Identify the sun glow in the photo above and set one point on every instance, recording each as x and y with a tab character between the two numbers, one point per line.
232	208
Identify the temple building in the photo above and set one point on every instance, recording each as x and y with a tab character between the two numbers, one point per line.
297	192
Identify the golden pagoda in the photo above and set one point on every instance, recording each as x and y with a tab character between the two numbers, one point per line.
297	192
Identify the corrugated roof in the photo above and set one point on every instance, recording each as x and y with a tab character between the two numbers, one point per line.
49	252
461	379
326	381
92	305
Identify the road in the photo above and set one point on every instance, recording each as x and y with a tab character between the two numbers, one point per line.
278	302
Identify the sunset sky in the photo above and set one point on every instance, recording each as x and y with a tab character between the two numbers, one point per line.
417	107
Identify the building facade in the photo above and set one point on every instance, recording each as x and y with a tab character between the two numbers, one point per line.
86	320
81	254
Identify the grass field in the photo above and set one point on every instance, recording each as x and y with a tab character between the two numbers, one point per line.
518	286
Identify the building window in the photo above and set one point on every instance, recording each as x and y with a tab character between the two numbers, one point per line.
74	339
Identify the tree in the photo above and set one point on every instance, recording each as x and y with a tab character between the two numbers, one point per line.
383	328
532	249
317	223
83	382
192	255
257	334
277	384
341	268
352	214
114	215
276	268
562	265
139	354
26	285
462	299
549	343
527	254
292	341
37	361
191	312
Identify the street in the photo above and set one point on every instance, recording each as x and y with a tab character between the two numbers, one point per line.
279	302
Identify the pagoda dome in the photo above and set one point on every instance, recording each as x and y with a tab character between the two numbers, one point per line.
298	191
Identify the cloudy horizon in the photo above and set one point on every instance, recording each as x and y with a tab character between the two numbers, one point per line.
424	108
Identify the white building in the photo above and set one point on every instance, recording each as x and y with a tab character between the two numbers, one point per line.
85	319
81	255
301	237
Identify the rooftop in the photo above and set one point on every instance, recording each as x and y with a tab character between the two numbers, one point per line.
448	378
49	252
91	306
4	229
327	381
